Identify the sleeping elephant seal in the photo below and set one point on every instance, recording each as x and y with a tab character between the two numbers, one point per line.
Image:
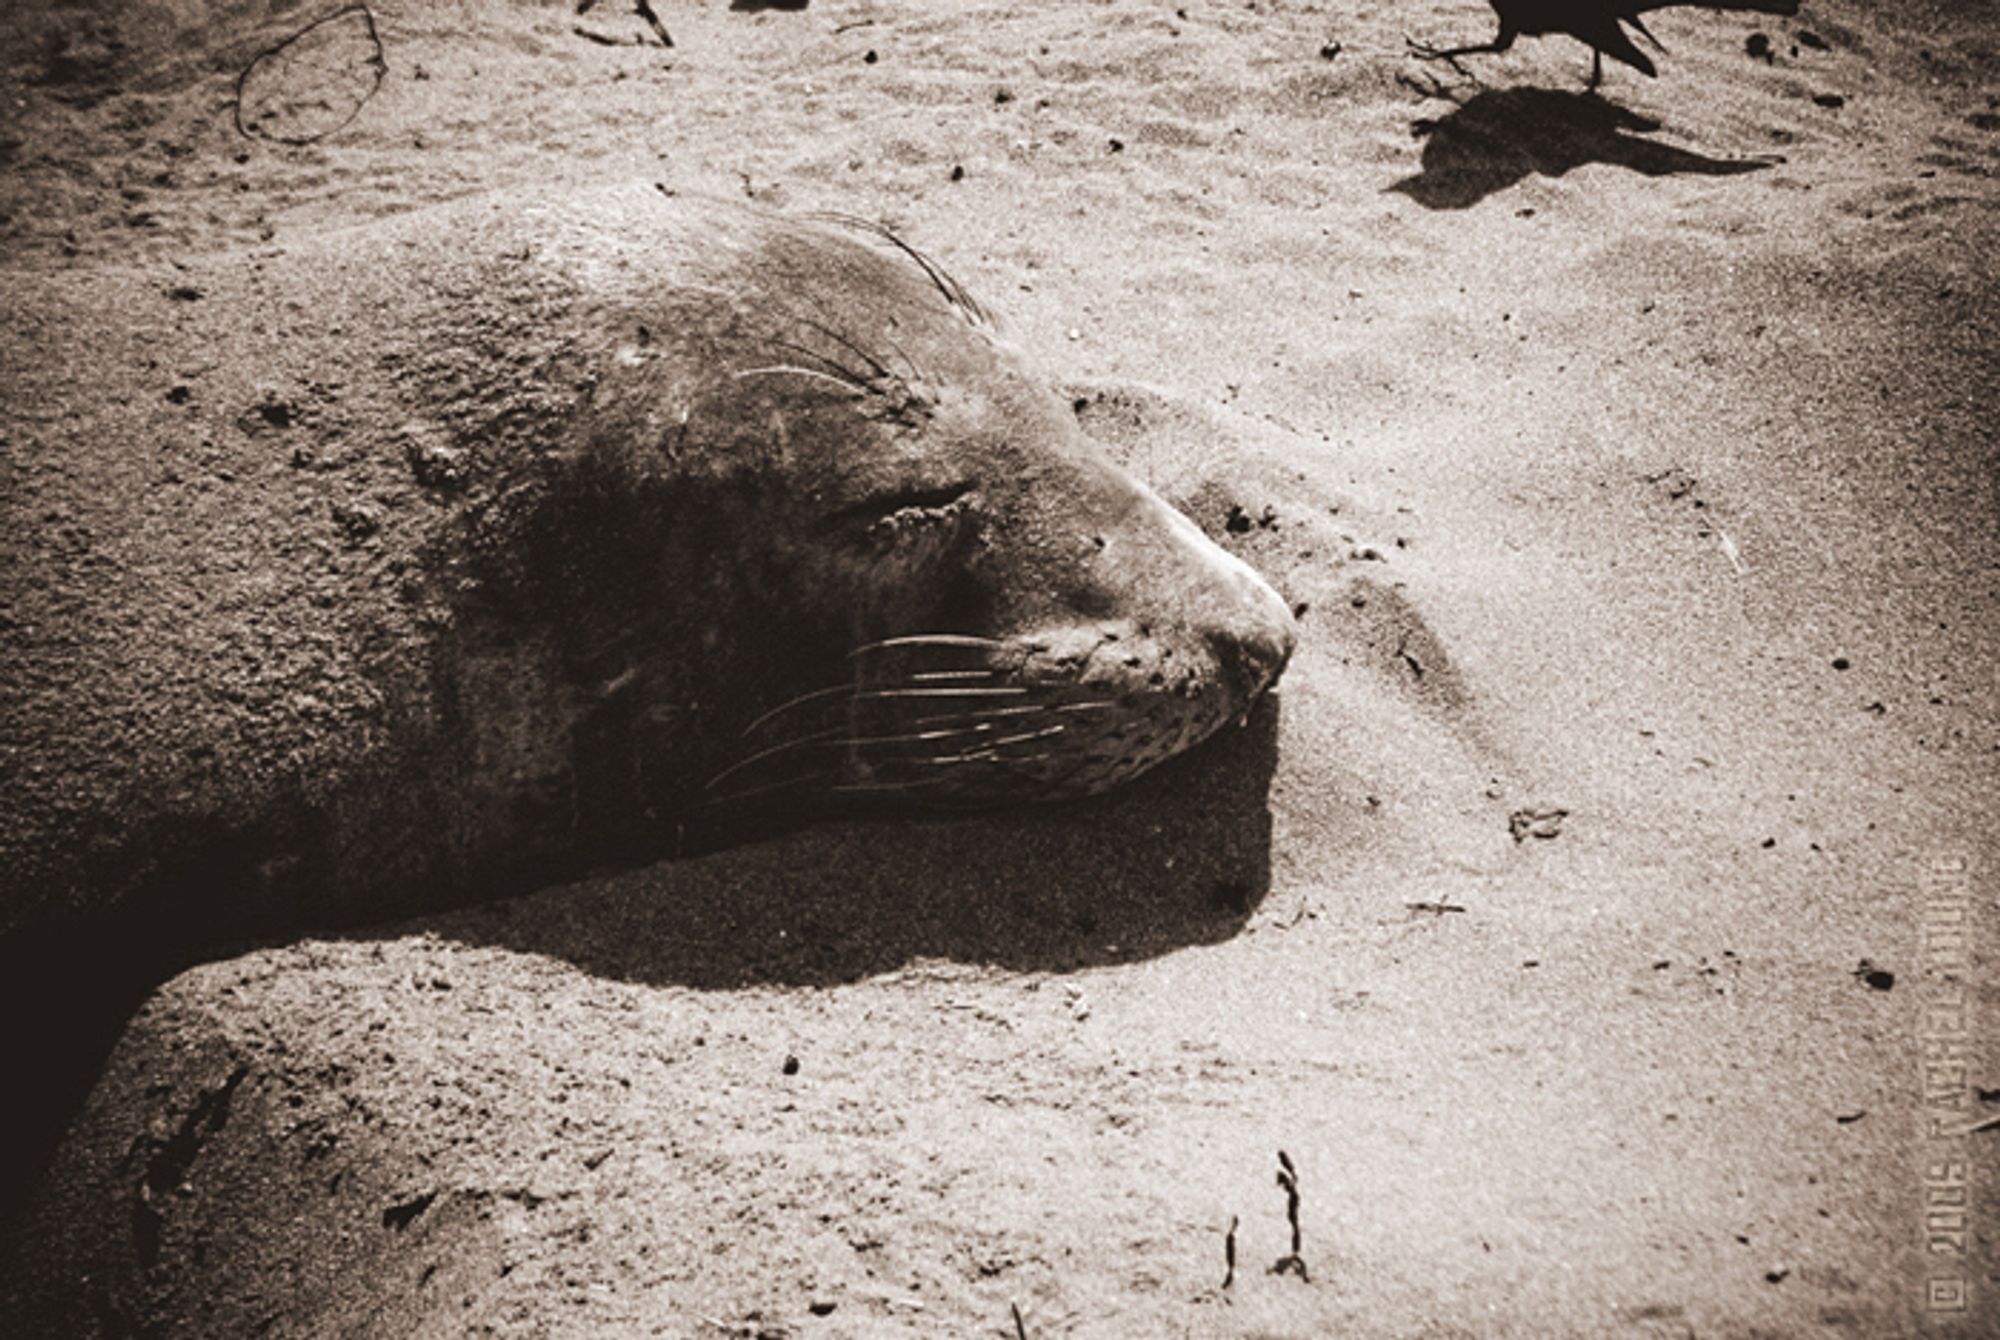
462	551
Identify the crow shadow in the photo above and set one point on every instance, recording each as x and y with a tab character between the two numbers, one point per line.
1499	136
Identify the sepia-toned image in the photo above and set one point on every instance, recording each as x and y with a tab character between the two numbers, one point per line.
1096	670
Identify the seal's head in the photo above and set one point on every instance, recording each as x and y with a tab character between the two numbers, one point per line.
600	516
974	604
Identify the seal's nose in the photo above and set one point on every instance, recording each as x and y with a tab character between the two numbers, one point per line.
1245	626
1252	648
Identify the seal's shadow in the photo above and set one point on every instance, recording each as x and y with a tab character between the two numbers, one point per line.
1180	857
1500	136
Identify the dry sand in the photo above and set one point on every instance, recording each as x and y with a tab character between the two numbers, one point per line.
1634	458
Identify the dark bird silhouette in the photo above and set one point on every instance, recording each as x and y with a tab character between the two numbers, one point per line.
1598	24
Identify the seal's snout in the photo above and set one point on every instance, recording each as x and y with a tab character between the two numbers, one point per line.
1251	653
1247	628
1199	638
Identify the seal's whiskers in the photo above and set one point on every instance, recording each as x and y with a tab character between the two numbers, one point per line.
824	737
916	376
817	695
875	365
906	784
926	676
846	375
925	640
940	773
975	681
995	691
923	736
1029	709
954	292
751	792
937	717
871	715
986	750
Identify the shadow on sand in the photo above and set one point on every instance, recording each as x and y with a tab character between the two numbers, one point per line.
1182	856
1499	136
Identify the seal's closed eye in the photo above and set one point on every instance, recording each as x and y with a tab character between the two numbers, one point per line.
917	523
883	505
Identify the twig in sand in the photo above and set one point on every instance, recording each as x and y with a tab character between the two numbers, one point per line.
640	7
1020	1327
1291	1262
1729	551
1437	909
644	9
1229	1253
1543	822
314	82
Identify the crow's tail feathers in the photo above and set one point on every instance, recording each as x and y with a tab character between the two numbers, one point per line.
1624	50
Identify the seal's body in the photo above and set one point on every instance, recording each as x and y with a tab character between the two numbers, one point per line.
461	550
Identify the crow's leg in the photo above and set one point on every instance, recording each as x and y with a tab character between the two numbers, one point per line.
1501	42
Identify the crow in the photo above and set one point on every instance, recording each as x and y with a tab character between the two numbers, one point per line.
1595	23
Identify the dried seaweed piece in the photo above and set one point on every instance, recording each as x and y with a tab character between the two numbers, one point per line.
314	82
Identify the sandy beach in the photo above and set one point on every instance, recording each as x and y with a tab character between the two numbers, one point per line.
1601	918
